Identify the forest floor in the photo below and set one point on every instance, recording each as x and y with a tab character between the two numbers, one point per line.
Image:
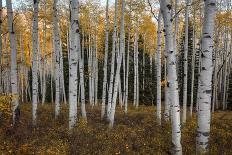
134	133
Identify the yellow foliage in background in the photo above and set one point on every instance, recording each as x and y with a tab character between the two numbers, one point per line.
5	106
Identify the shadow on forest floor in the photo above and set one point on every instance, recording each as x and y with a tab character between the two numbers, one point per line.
134	133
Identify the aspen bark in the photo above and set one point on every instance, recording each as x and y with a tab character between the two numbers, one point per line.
158	98
104	90
57	58
73	64
112	60
172	83
13	70
205	81
35	62
185	62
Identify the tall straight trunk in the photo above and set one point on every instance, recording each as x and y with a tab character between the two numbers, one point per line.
95	65
159	44
205	81
117	84
110	93
185	87
104	90
127	71
21	72
143	67
62	74
166	99
225	78
74	49
45	57
193	63
35	62
136	73
135	78
82	84
51	77
57	58
172	82
13	73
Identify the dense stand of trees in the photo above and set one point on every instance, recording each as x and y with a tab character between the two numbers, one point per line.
128	53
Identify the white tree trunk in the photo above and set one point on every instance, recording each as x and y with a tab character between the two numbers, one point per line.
112	61
158	54
13	73
104	90
74	49
57	58
172	76
45	57
127	71
82	84
205	81
35	62
193	63
185	63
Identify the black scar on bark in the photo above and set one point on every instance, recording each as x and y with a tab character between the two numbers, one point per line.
163	30
171	51
206	134
203	68
35	1
212	4
169	6
207	36
167	84
207	91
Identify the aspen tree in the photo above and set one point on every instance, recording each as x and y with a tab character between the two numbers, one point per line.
35	62
13	70
104	90
110	92
57	58
172	83
185	62
74	47
158	98
205	81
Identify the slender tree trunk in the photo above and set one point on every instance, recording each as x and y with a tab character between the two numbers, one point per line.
205	81
45	57
172	83
119	62
158	98
35	62
193	63
127	71
185	89
104	90
74	51
57	58
112	61
13	73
